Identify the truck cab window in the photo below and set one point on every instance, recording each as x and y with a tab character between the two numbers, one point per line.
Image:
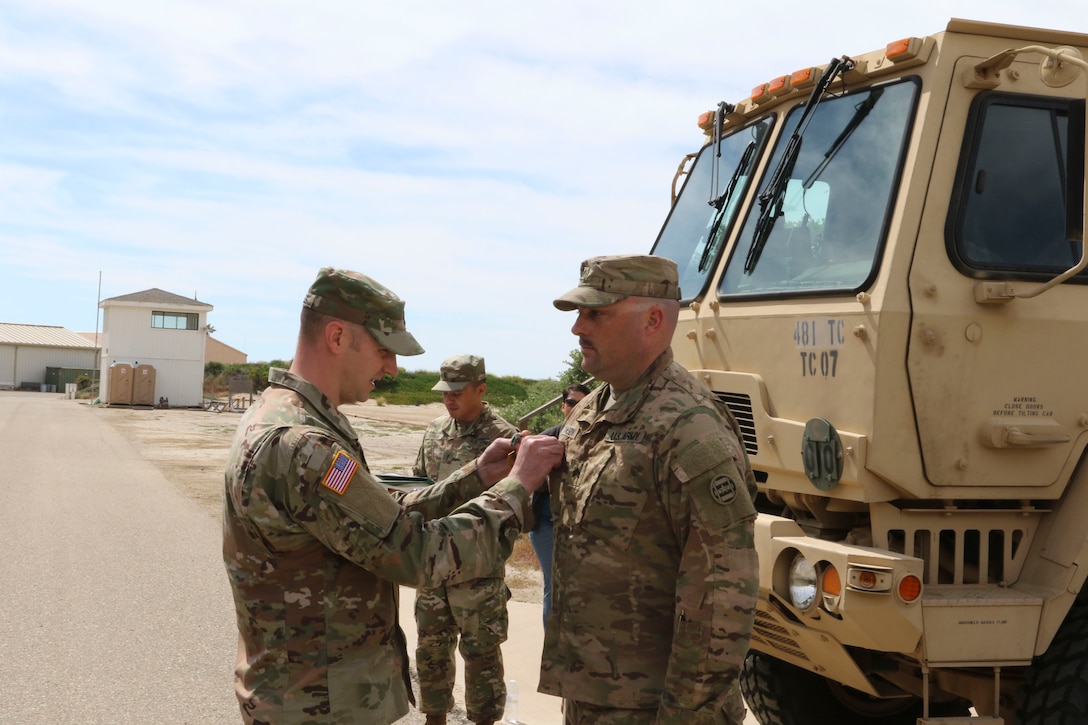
695	232
1011	186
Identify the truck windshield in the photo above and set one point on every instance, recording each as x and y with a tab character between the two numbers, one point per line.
831	218
700	220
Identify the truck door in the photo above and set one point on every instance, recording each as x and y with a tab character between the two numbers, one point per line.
997	384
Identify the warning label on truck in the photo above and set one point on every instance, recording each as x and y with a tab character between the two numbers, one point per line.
1023	406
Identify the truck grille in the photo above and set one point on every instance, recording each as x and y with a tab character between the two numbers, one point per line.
960	546
740	405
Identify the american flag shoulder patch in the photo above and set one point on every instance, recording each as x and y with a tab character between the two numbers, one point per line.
340	472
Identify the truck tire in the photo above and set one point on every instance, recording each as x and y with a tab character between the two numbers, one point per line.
1055	690
778	693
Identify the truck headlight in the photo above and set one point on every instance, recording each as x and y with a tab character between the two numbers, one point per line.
802	583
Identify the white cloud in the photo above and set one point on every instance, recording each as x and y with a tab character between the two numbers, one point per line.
468	155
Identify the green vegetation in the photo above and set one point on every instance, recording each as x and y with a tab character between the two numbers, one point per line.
512	396
414	388
539	394
87	387
543	392
217	376
407	388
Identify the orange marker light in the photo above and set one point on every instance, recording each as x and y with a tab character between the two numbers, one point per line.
832	584
706	119
910	588
902	49
778	84
866	579
759	92
803	77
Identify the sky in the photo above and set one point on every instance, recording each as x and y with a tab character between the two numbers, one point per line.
467	155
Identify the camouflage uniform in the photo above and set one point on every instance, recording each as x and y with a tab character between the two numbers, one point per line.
448	445
315	547
476	609
655	574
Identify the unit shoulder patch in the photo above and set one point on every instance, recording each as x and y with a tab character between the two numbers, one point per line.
723	489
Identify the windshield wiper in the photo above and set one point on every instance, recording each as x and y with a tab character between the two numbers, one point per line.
746	158
770	201
860	112
721	204
716	141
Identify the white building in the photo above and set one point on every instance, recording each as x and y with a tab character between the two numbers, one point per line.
161	330
28	351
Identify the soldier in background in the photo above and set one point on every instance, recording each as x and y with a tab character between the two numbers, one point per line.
315	547
473	610
655	570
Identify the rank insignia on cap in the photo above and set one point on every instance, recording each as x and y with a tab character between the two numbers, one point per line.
723	489
340	472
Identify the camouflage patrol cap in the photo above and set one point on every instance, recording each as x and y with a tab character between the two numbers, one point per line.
607	280
354	297
459	371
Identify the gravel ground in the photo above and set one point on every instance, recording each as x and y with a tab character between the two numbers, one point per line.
190	448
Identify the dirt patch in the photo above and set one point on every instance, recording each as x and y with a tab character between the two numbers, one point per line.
190	448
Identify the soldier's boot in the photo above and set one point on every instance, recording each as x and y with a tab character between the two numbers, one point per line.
436	719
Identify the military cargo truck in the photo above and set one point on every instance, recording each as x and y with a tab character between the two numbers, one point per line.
883	269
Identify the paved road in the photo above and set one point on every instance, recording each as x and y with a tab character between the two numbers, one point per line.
114	607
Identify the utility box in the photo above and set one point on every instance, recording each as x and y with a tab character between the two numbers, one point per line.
60	377
143	385
240	387
121	377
